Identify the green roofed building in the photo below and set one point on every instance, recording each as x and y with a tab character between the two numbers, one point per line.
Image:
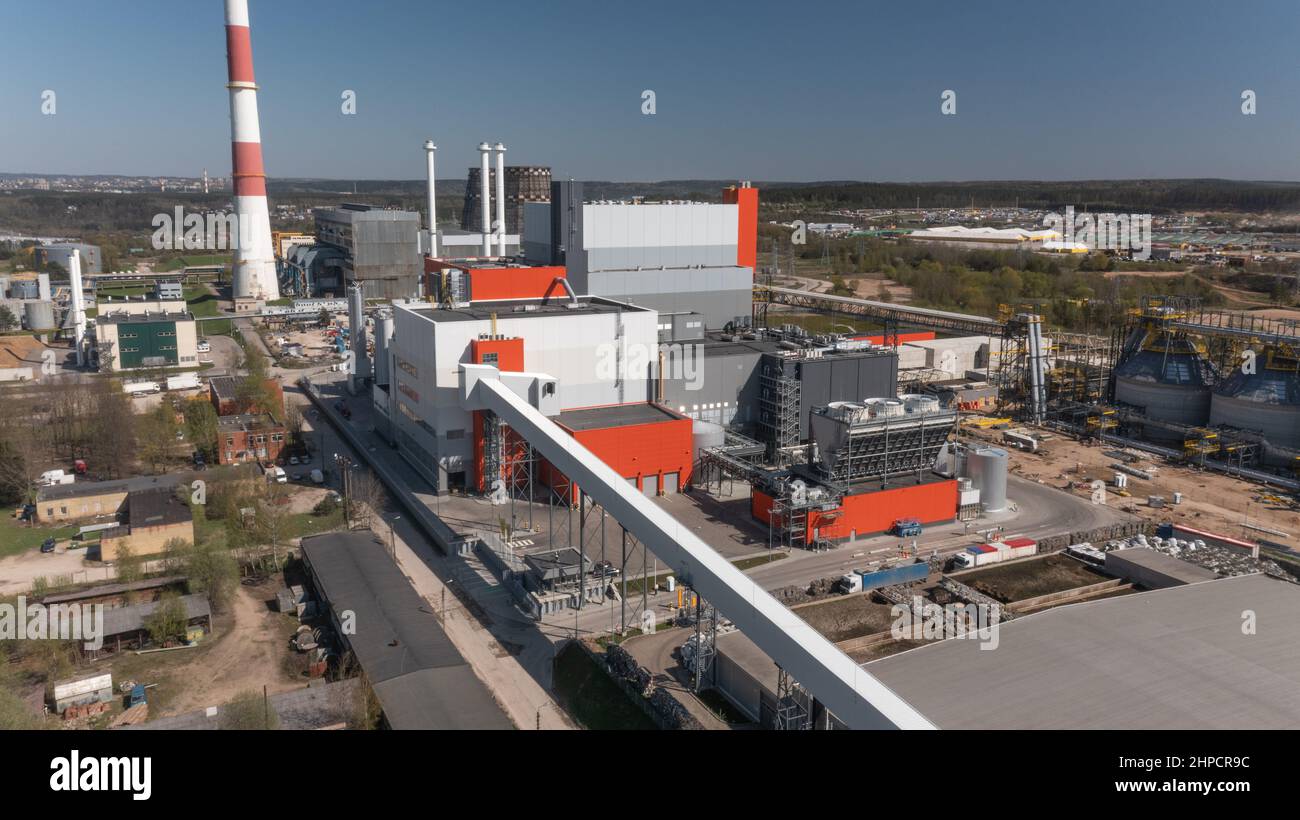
146	340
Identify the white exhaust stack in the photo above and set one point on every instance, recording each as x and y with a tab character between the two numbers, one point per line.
429	150
76	306
501	199
254	269
486	196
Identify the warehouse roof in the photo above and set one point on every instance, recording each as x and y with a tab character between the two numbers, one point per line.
156	507
80	488
1173	658
1166	565
123	619
247	422
615	415
140	318
420	678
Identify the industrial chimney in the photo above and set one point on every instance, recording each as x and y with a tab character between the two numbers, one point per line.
254	270
486	197
75	305
501	199
429	149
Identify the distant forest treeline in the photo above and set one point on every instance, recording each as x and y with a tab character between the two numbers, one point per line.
50	212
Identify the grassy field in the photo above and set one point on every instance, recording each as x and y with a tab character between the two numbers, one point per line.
176	263
296	525
16	537
204	304
591	697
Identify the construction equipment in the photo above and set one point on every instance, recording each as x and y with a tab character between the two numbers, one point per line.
987	422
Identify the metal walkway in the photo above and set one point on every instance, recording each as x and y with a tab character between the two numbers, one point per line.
853	695
881	311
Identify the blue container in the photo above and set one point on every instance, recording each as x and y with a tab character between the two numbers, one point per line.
907	574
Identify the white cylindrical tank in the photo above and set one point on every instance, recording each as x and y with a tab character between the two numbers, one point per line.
987	469
705	434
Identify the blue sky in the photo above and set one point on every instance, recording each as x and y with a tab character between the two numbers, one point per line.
745	88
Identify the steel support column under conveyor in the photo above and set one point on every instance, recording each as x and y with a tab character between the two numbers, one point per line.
854	696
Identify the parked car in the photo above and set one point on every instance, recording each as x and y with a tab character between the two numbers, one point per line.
47	545
296	476
293	460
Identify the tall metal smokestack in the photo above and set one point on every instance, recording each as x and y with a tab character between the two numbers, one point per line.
76	306
501	199
254	274
429	150
357	328
486	195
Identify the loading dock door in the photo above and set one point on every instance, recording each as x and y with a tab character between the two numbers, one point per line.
670	483
650	485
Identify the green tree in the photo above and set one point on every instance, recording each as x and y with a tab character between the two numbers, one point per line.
168	621
176	555
201	426
7	319
213	572
249	710
158	435
130	567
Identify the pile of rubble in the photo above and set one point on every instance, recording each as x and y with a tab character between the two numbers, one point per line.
625	668
1225	561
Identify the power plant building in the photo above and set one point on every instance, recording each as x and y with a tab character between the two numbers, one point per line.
380	249
133	341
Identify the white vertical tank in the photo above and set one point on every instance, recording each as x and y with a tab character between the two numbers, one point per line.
986	467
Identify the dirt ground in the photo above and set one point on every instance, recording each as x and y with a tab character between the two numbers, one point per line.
1211	501
248	653
1029	579
849	617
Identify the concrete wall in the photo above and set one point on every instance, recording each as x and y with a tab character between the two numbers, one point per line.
146	540
80	508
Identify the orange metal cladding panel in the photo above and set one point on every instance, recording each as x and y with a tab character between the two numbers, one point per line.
903	338
876	512
643	449
747	226
510	353
515	283
760	506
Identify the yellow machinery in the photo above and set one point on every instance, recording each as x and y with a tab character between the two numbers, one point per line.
985	422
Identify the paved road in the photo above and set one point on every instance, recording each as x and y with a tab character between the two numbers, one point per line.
509	651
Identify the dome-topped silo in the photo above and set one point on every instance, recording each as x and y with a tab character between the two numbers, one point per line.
1166	374
1266	401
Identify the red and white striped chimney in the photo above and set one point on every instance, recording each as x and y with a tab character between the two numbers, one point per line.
254	274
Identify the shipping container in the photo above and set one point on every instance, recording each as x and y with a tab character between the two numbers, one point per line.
905	574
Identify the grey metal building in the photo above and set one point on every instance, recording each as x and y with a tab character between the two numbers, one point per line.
755	383
419	677
675	257
382	248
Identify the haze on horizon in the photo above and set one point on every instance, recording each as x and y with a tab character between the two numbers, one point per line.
755	90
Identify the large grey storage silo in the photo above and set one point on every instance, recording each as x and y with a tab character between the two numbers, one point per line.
1168	378
986	467
1266	401
39	315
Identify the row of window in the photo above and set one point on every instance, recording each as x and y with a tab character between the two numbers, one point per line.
407	366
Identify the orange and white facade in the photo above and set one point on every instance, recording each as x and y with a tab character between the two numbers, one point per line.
254	269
